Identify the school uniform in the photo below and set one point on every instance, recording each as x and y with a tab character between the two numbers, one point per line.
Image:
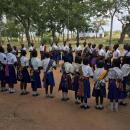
24	63
99	89
66	81
55	52
42	51
48	65
35	77
127	54
115	74
65	49
116	54
84	88
126	83
10	72
101	53
2	66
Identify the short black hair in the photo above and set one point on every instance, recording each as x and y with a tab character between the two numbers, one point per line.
100	64
47	55
9	49
78	59
85	61
23	53
34	53
126	60
116	63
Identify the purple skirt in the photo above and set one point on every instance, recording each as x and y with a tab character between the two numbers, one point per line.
25	76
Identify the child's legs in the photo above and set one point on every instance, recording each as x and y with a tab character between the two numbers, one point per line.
51	89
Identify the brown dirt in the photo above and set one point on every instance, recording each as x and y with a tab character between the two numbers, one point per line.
29	113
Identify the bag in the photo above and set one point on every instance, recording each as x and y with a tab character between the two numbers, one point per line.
99	85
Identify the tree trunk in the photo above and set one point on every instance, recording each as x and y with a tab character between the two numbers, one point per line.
77	36
111	30
27	36
123	33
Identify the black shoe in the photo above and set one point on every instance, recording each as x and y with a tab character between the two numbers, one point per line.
22	93
35	95
81	106
101	108
63	99
97	107
123	104
86	107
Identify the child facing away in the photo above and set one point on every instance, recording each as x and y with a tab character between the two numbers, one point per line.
99	90
84	84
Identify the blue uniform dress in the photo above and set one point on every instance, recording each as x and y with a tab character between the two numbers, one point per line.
25	77
35	77
114	90
10	72
2	66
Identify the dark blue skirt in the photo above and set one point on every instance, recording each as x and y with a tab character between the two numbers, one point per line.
76	83
123	93
2	75
25	76
36	81
99	92
49	79
11	78
86	84
113	91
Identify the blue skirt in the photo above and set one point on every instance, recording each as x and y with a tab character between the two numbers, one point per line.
36	81
11	78
66	83
123	93
2	75
49	79
25	76
99	92
113	91
76	83
86	84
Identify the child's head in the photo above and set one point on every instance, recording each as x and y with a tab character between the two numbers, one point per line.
100	46
116	63
86	61
100	64
126	60
116	46
23	53
78	60
47	55
34	53
1	49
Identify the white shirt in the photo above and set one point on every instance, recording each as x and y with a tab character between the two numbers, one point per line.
36	63
116	54
31	48
23	49
76	67
125	69
55	47
11	58
42	48
65	48
87	71
68	67
2	58
108	54
45	63
102	52
78	48
24	61
127	54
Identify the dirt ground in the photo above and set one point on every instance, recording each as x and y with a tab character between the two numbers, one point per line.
39	113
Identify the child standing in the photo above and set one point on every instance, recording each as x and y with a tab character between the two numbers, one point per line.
48	65
76	77
84	86
35	73
99	91
115	76
10	73
25	77
66	81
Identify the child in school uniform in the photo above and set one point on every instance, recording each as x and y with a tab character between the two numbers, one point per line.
25	77
115	76
10	72
66	80
35	73
76	77
116	52
48	80
126	80
2	69
84	83
99	90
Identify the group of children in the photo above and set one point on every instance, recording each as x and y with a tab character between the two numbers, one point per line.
103	65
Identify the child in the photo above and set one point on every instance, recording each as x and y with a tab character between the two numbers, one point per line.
116	53
115	76
10	72
25	78
66	81
42	50
48	65
2	69
126	80
99	91
76	67
35	73
84	87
